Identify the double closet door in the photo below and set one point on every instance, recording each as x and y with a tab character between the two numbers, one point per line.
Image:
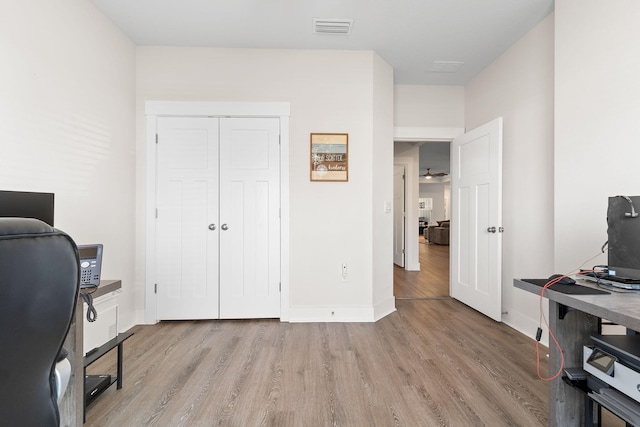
218	218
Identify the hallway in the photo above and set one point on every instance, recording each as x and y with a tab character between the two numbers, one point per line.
431	282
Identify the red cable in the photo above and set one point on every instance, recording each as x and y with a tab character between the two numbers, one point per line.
553	337
557	374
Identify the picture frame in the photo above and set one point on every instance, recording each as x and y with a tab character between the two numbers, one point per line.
329	160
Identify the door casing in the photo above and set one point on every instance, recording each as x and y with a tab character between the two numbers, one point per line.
416	135
399	220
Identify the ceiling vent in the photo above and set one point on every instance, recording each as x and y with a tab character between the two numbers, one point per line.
444	67
332	26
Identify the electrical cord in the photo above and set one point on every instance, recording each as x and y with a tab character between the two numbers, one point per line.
544	318
597	275
553	337
92	314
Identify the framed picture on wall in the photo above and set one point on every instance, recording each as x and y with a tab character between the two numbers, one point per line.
329	157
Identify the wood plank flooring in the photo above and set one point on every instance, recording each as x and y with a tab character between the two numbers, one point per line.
432	281
431	363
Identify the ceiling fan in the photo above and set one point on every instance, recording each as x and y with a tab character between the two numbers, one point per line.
430	175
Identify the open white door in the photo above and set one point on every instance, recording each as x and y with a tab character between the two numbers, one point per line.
398	215
476	219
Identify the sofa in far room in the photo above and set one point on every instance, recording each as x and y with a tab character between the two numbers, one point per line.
438	234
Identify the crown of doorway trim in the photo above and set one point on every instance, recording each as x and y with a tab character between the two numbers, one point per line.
425	134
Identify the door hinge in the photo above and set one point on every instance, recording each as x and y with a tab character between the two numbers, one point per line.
280	286
279	139
156	213
403	252
156	138
279	212
155	288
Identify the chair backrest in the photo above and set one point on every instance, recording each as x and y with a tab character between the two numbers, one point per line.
39	283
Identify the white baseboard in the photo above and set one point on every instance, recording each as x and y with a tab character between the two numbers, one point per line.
342	313
413	267
526	326
384	308
334	314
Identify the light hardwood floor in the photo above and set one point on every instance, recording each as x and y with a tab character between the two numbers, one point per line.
432	281
433	362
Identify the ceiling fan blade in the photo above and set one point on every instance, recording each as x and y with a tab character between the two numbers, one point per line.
432	175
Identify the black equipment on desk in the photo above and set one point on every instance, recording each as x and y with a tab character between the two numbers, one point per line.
94	385
623	232
24	204
613	363
90	264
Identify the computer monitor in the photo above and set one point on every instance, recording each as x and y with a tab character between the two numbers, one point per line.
623	231
27	205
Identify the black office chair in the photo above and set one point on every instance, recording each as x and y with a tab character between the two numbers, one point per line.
39	283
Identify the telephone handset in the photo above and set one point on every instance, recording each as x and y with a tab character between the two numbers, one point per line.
90	265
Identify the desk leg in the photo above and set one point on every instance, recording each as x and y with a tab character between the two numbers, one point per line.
84	397
566	404
119	372
71	407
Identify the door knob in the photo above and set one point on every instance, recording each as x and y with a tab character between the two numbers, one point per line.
491	229
212	227
224	227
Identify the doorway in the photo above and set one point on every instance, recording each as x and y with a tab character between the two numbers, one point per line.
434	209
412	281
431	280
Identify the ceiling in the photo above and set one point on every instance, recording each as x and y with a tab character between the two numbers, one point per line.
409	34
435	156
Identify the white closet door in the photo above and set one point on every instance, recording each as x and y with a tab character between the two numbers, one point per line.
249	218
187	203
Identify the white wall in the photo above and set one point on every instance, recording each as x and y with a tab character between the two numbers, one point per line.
429	106
519	87
435	191
597	114
382	187
67	124
331	223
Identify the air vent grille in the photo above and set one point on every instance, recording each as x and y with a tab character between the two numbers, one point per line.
445	67
332	26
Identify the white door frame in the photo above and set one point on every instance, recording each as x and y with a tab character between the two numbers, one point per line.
418	135
411	190
155	109
404	215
